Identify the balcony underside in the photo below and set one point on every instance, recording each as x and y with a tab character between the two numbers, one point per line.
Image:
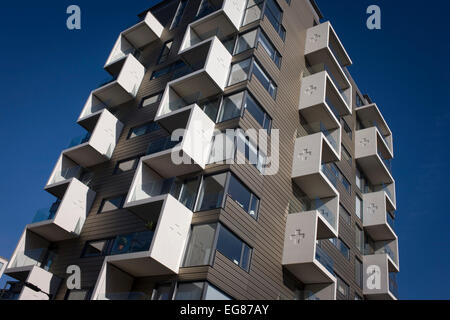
139	264
113	94
140	35
315	186
375	170
175	119
51	231
147	209
380	232
58	188
85	155
310	273
320	113
324	56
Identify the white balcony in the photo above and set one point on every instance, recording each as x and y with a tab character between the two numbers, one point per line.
147	253
222	20
320	101
310	169
378	222
373	155
65	219
3	264
205	75
133	39
379	278
170	158
65	170
117	91
96	146
370	116
301	254
323	48
31	262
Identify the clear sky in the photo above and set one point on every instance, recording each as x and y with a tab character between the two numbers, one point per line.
48	71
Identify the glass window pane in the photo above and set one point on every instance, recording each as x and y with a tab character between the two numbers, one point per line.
112	204
211	192
246	41
188	193
344	214
358	272
229	245
253	11
200	245
358	206
212	293
255	110
151	100
127	165
261	76
211	108
342	287
246	255
189	291
222	148
239	193
359	241
231	107
163	292
239	72
95	248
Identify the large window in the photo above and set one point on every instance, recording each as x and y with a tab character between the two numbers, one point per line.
253	11
244	197
342	247
256	37
168	69
211	192
206	239
233	248
178	14
358	272
113	203
241	70
143	129
188	291
165	51
272	11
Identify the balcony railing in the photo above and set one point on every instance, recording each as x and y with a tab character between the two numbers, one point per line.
162	145
34	257
79	140
325	211
66	174
47	213
134	242
124	296
323	67
390	220
393	286
324	259
330	173
179	103
387	162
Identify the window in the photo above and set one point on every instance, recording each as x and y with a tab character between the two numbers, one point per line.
274	14
205	8
253	38
211	192
188	291
110	204
188	193
165	51
168	69
258	113
96	248
231	107
243	197
233	248
81	294
239	71
253	11
341	246
270	49
346	127
212	293
163	292
346	183
345	214
151	100
200	246
342	287
359	101
346	155
126	165
143	129
266	82
178	14
358	272
358	207
247	148
359	241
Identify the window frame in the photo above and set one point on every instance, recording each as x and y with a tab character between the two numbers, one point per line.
105	251
158	94
147	129
179	13
124	197
163	53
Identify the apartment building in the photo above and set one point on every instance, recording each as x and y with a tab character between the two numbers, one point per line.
140	225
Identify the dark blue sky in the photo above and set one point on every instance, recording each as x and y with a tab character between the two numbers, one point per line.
48	71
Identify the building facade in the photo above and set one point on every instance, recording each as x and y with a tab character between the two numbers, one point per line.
230	156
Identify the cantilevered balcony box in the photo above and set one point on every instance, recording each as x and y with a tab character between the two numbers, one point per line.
31	262
171	158
66	221
379	278
310	169
373	155
132	39
323	48
99	144
63	173
370	116
377	221
302	255
321	102
224	20
147	253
